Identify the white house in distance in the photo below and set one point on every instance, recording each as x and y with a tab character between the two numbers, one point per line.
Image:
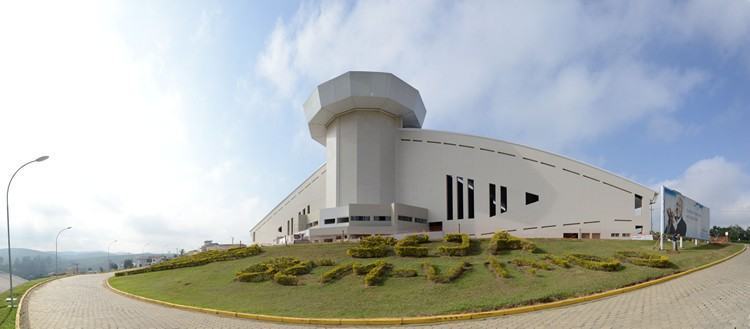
385	175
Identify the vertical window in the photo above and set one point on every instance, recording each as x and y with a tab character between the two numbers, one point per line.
470	196
503	199
253	236
449	197
308	209
460	197
287	226
493	203
638	201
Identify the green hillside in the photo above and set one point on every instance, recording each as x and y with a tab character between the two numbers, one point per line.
478	288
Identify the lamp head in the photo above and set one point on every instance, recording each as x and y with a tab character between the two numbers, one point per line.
42	158
69	227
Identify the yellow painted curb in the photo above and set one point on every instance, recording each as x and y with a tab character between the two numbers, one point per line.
19	307
424	319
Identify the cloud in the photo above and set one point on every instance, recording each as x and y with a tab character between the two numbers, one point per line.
721	185
555	74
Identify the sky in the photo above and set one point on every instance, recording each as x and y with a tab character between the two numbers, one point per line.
172	122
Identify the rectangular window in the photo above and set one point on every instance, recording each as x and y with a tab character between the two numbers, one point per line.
420	220
329	221
288	226
585	235
626	235
459	197
253	236
638	201
360	218
405	218
493	203
503	199
470	196
308	209
449	197
382	218
614	235
342	220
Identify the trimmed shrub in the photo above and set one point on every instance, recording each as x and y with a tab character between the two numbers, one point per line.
644	259
559	261
497	267
404	273
198	259
285	279
376	240
378	273
368	252
325	262
433	273
464	243
531	263
360	269
408	246
253	276
299	269
502	241
336	273
595	263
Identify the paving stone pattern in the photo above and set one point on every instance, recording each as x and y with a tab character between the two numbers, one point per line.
718	297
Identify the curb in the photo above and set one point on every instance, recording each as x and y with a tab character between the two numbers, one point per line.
423	319
21	307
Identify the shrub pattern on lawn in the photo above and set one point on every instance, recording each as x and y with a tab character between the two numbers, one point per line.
503	241
404	273
372	247
524	262
324	262
336	273
433	273
378	273
282	270
361	269
559	261
409	246
198	259
497	267
462	249
644	259
595	263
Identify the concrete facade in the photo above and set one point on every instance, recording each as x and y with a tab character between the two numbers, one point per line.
386	175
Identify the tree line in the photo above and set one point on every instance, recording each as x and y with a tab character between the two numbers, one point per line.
736	233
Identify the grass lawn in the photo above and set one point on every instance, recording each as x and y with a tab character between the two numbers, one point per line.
213	286
8	315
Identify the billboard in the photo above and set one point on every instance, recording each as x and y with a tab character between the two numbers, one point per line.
682	215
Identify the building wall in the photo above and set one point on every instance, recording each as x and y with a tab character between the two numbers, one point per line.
310	193
587	199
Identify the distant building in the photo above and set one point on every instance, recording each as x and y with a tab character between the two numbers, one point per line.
385	175
211	245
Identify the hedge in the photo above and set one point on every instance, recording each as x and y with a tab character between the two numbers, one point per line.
644	259
368	252
463	245
378	273
408	246
404	273
336	273
282	270
372	247
595	263
433	273
285	279
198	259
531	263
559	261
325	262
497	267
360	269
502	241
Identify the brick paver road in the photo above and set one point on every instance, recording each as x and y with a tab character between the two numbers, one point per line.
718	297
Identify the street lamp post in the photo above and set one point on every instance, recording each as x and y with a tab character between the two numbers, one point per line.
58	237
109	263
7	219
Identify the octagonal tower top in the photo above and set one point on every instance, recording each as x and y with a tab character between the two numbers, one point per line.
357	90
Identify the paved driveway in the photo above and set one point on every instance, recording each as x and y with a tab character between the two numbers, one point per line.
718	297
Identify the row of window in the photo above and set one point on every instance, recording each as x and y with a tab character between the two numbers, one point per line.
372	218
530	198
617	235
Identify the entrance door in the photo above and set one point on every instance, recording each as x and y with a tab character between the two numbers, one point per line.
436	226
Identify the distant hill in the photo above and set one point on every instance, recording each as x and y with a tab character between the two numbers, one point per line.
31	264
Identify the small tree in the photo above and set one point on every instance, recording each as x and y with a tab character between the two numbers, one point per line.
128	263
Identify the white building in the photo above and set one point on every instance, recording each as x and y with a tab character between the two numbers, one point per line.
385	175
